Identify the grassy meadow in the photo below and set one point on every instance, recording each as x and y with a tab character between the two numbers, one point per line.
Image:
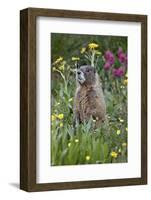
86	145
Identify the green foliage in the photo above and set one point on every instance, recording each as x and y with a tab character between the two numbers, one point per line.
86	145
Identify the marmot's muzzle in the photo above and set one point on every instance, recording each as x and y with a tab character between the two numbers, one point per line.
80	77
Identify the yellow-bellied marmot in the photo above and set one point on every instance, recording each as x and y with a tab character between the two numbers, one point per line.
89	99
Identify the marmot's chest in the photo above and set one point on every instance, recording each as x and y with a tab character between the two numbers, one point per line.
85	99
90	102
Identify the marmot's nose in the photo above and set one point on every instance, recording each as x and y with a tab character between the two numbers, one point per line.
78	72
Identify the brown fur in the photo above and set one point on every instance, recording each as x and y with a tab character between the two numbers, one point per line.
89	101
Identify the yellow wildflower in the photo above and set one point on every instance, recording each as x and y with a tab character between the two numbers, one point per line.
87	158
53	69
60	116
121	120
98	53
58	60
122	87
69	144
118	132
53	117
61	67
83	50
125	81
124	144
76	140
75	58
119	150
61	124
114	154
126	129
70	99
92	45
126	75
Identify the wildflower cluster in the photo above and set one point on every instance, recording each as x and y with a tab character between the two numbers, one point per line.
91	53
57	117
111	62
114	154
59	64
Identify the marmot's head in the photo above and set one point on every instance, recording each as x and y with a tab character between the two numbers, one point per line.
86	75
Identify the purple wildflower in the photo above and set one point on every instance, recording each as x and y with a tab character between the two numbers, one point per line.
120	50
109	57
118	72
122	58
107	66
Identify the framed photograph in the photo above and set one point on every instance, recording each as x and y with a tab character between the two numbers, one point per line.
83	99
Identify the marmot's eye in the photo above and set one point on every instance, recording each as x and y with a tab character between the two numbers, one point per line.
87	70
